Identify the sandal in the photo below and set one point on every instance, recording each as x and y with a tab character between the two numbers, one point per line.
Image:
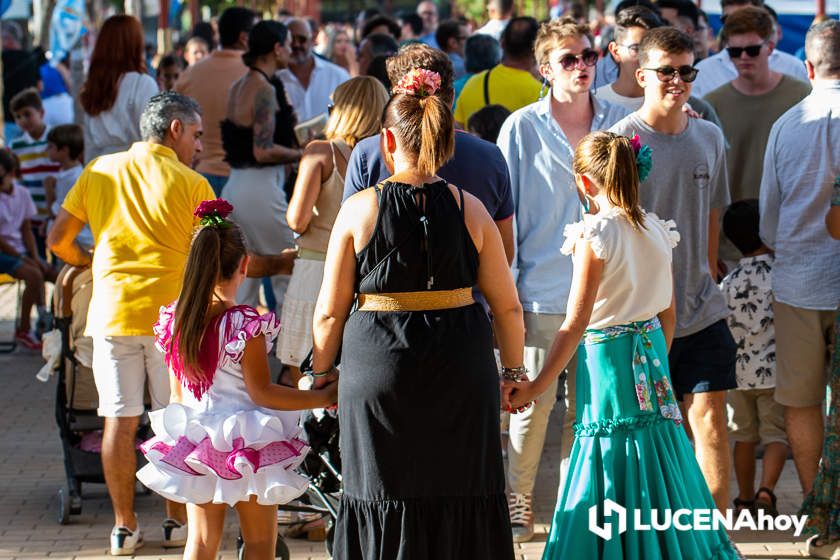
768	506
741	505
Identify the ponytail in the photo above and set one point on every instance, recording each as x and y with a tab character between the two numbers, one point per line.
215	254
437	135
621	180
425	129
610	160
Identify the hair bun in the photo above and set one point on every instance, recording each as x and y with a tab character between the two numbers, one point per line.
419	83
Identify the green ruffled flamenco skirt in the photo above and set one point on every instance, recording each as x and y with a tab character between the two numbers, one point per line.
630	448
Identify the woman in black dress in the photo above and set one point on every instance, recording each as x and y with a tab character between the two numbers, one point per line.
419	387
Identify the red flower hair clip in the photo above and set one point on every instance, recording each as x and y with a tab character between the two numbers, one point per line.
214	212
419	82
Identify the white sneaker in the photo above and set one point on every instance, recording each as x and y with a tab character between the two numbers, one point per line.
521	517
816	550
174	534
125	541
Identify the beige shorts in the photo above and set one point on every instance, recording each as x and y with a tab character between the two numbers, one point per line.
755	416
122	366
803	354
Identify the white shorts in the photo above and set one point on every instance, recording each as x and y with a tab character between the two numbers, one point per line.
122	366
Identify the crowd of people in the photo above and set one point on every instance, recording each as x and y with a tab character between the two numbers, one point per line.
638	216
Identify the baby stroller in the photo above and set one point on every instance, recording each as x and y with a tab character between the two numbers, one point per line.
322	467
76	400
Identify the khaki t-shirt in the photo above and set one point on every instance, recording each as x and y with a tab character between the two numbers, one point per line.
746	121
208	82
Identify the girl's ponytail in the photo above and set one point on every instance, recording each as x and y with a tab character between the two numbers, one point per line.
200	278
610	160
216	253
621	179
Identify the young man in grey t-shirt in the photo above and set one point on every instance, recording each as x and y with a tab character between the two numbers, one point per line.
688	185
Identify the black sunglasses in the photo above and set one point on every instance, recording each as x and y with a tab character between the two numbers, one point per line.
666	73
752	51
588	57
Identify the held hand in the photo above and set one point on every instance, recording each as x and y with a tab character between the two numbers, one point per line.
329	393
520	394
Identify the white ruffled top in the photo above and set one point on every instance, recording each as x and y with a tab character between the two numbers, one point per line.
637	282
221	447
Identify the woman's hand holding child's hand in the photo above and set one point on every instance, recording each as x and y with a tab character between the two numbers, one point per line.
517	396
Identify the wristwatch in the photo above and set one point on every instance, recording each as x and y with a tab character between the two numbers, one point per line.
307	381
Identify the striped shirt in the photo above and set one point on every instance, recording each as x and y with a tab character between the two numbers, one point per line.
35	166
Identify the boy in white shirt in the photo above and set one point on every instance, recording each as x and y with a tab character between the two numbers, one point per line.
65	146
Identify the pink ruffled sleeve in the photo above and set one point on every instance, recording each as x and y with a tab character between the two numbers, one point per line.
243	324
163	327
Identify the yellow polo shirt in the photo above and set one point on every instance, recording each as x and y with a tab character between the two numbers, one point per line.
509	87
139	206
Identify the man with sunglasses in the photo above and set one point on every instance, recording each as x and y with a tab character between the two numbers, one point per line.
719	69
688	185
750	104
309	80
538	142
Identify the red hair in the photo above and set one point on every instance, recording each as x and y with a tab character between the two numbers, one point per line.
119	49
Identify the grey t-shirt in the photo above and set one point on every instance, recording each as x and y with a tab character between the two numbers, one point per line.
687	181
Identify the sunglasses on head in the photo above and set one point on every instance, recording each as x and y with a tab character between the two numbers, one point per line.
751	50
588	57
666	73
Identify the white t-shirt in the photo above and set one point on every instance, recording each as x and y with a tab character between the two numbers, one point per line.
636	283
64	181
116	129
314	100
608	94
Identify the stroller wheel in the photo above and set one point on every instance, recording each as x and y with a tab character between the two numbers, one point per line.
281	550
64	502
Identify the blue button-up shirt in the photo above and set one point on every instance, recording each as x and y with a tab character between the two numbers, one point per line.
800	164
545	199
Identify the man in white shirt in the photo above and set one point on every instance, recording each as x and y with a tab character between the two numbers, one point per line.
718	70
309	80
499	12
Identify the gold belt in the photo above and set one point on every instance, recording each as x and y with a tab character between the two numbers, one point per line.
416	301
311	254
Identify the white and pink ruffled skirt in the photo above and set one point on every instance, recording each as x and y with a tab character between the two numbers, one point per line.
203	457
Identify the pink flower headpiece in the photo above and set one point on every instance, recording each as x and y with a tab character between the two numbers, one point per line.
214	212
419	82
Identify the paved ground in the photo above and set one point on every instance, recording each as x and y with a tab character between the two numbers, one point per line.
31	472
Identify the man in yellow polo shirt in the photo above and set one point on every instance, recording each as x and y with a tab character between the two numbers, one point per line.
139	205
511	83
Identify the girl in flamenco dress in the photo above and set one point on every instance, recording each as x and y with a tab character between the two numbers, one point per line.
629	446
229	437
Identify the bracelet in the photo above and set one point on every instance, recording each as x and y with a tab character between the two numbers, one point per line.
318	373
514	374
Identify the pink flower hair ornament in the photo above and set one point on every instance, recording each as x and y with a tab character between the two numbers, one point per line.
419	83
214	213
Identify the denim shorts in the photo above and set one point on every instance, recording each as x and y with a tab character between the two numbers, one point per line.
704	361
9	264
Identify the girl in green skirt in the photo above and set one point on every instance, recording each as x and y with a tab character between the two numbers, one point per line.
630	447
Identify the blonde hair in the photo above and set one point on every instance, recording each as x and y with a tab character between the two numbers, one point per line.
424	127
610	160
357	110
552	33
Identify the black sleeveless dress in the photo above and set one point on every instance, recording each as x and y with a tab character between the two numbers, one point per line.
419	398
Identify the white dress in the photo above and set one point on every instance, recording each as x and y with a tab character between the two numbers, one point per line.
219	446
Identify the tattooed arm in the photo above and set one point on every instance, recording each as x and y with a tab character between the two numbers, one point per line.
265	150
